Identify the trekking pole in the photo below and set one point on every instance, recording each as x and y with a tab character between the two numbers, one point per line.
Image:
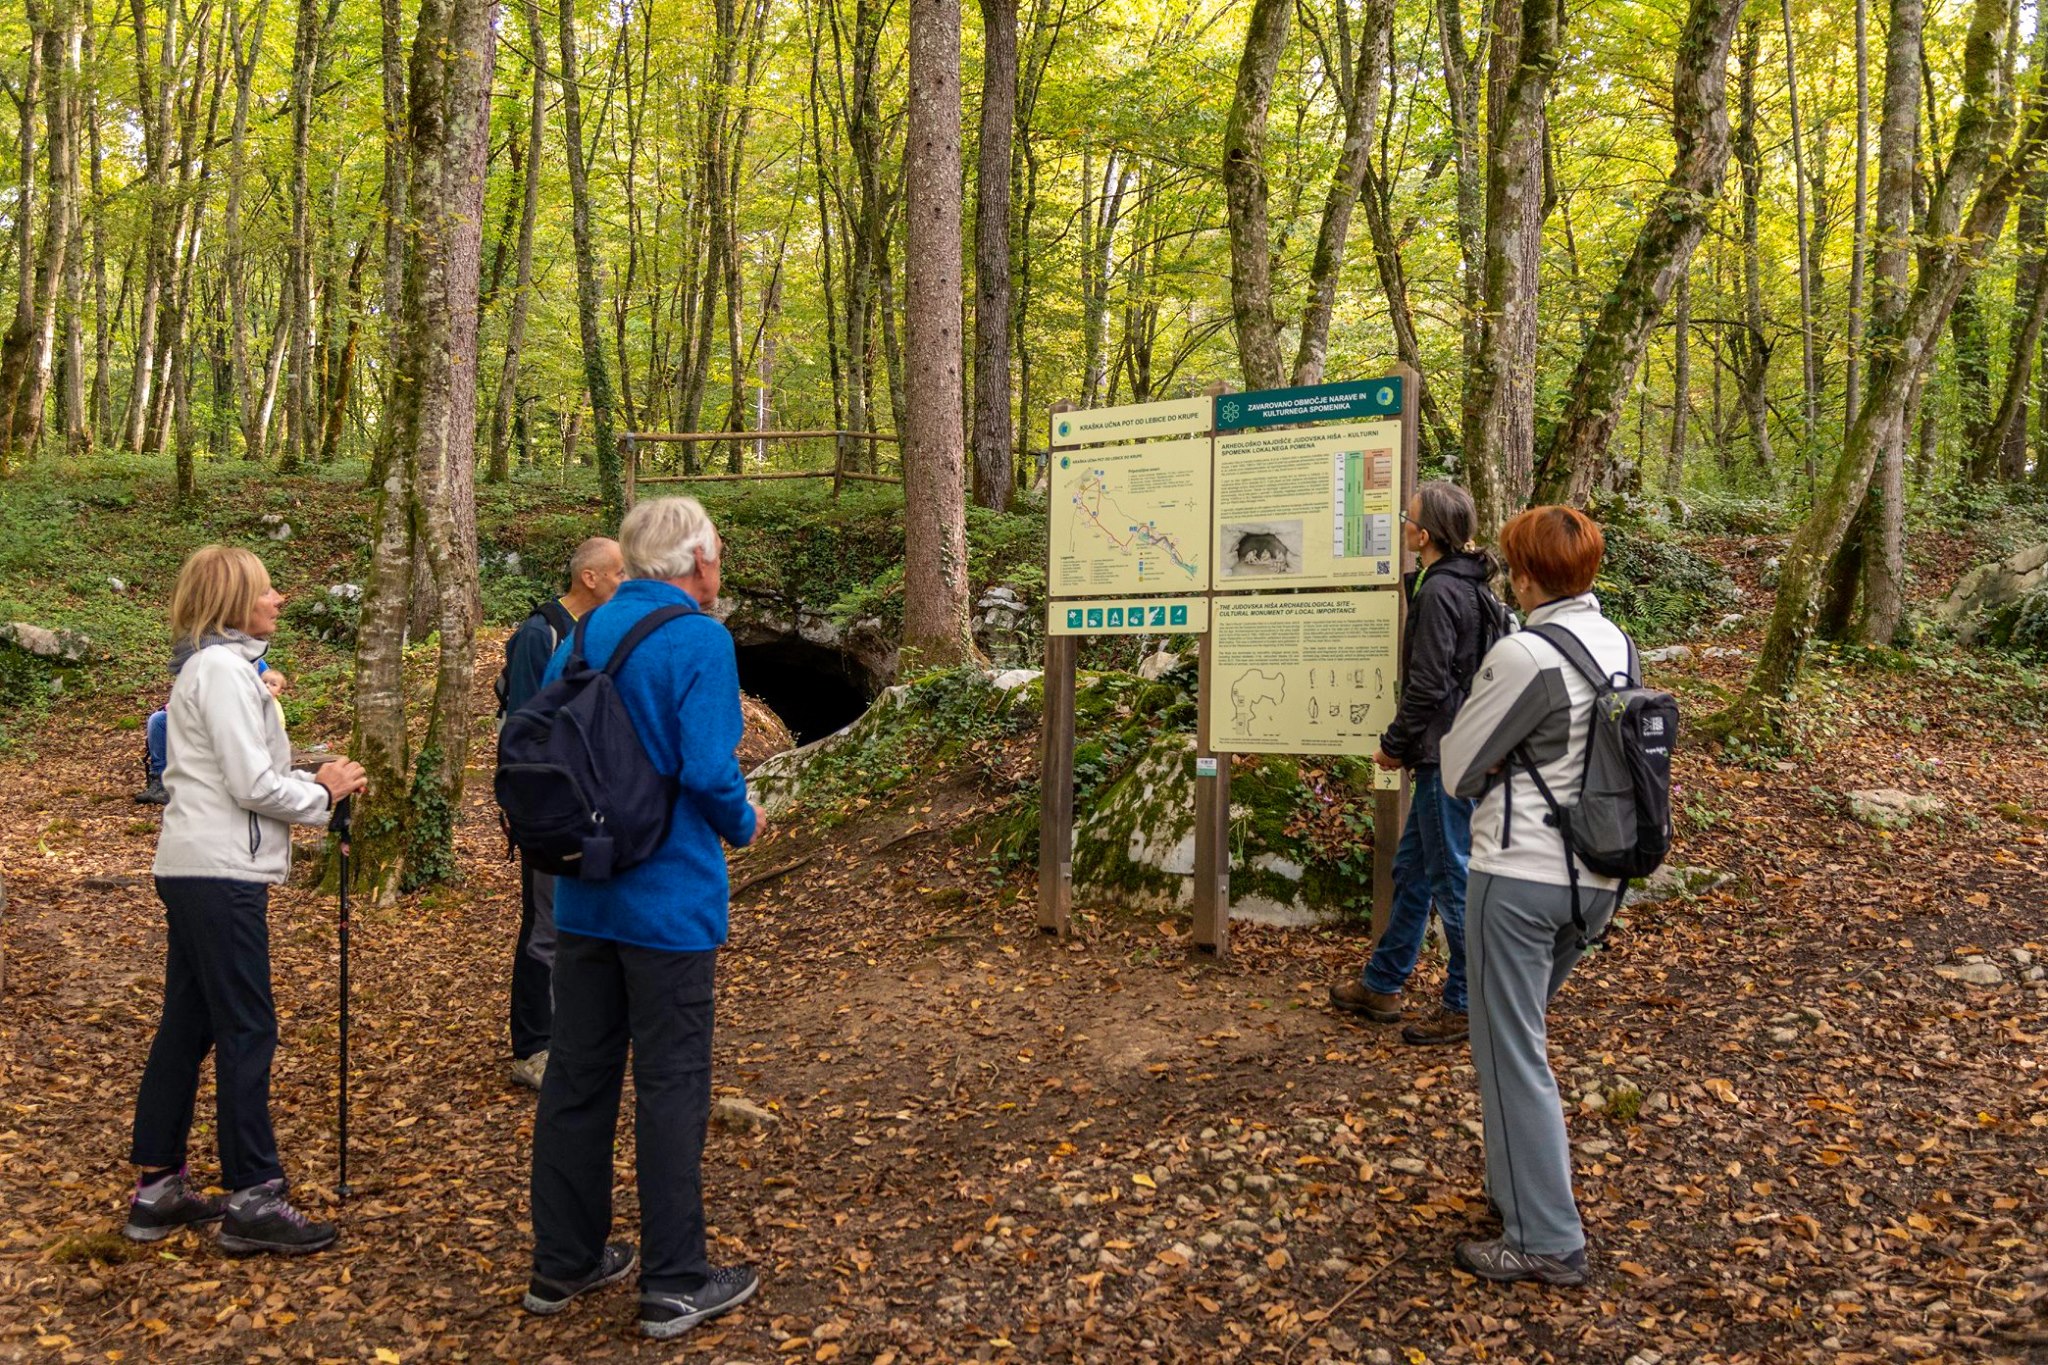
339	824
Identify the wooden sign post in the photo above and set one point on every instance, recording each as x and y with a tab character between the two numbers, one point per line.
1268	525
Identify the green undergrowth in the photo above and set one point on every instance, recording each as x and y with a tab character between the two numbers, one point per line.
1658	589
1133	780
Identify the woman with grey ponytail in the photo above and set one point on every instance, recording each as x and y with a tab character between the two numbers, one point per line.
1453	619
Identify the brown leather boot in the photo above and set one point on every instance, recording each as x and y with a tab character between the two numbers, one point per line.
1377	1006
1440	1026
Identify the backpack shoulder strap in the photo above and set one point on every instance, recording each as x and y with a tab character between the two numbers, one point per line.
1581	658
557	616
641	629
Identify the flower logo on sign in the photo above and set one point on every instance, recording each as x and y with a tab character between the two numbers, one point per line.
1229	412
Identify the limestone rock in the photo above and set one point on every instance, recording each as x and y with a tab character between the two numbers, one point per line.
1155	666
741	1116
1669	654
58	646
1971	973
1988	587
1890	808
1672	881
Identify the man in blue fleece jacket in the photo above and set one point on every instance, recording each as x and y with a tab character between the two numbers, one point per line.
635	955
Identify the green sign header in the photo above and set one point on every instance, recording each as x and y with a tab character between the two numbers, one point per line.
1316	403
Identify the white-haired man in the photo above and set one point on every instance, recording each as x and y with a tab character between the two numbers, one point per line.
635	955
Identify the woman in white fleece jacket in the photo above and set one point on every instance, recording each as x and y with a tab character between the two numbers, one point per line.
226	841
1525	923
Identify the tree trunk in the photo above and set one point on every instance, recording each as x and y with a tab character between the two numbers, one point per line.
992	481
1501	393
16	345
1577	449
596	372
1245	194
300	432
1753	346
1884	541
1810	373
1681	387
391	61
28	399
1903	352
1359	87
522	285
247	44
1439	439
406	831
935	589
1461	96
1852	394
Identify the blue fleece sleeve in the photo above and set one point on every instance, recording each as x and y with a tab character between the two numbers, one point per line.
709	727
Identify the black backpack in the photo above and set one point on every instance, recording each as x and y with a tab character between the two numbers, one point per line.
1620	825
560	623
579	795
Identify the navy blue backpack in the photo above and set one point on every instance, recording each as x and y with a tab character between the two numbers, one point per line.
579	795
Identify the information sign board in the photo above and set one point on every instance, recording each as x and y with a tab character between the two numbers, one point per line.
1348	401
1306	509
1131	518
1128	616
1311	673
1177	417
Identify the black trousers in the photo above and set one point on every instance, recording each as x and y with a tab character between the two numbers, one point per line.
609	996
533	963
216	998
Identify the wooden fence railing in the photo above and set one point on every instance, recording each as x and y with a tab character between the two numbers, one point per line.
631	442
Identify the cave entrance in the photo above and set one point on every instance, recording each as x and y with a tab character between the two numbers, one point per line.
815	689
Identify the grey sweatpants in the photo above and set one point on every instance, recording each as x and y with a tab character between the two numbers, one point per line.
1520	945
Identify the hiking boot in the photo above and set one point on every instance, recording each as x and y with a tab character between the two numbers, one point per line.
545	1296
1440	1026
670	1315
155	794
259	1219
1497	1261
1378	1006
528	1071
158	1209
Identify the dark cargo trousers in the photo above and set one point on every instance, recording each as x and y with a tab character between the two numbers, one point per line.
216	999
533	964
609	997
1521	945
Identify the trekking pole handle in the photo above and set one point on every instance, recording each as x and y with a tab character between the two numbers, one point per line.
338	820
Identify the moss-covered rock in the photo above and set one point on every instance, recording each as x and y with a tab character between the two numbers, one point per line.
1300	828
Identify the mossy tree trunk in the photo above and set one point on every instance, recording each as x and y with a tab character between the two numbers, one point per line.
1606	372
1900	355
426	506
1500	391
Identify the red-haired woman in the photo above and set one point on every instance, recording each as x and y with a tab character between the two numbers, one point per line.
1524	728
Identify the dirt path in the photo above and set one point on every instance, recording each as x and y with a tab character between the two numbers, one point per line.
994	1146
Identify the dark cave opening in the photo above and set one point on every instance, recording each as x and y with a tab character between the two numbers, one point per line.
815	689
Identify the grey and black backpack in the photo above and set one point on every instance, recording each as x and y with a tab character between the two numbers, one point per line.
1620	825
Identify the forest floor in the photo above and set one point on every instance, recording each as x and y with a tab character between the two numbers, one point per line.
992	1146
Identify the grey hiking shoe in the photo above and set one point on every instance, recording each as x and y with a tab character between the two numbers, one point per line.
528	1071
155	794
545	1296
1497	1261
670	1315
260	1219
157	1210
